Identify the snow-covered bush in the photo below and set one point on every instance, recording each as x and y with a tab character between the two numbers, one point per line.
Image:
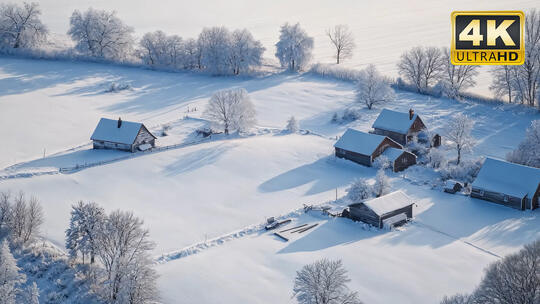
292	125
165	130
528	151
20	26
466	171
335	118
335	72
351	114
372	88
294	47
359	191
116	87
437	158
382	162
323	281
382	184
231	109
101	34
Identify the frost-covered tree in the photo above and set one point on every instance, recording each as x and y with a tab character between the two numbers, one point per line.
33	221
245	52
458	134
437	158
527	76
292	125
215	47
82	235
528	151
10	276
343	41
192	54
30	295
20	26
158	49
458	299
231	109
324	282
382	184
372	88
359	190
294	47
101	34
124	249
5	212
381	162
503	82
457	78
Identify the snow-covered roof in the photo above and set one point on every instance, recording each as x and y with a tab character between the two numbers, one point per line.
392	153
107	130
394	121
388	203
508	178
359	142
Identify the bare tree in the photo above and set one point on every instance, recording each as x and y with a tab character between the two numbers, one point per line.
457	78
5	211
458	134
34	220
527	75
502	83
372	88
323	282
124	253
20	26
432	68
18	217
231	109
411	67
101	34
343	40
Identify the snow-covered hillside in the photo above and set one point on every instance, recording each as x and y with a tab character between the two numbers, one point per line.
383	30
201	189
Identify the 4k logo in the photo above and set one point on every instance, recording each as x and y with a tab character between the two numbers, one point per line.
487	37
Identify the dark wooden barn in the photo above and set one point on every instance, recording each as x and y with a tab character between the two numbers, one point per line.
389	210
122	135
401	127
399	159
362	147
508	184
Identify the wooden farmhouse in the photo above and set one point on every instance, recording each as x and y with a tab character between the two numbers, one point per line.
401	127
508	184
389	210
122	135
364	148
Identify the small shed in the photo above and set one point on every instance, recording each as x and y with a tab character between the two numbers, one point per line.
399	159
122	135
362	147
508	184
389	210
399	126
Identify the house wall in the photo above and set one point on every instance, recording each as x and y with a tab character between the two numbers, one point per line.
404	161
499	198
98	144
353	156
407	210
536	198
144	137
360	212
385	144
398	137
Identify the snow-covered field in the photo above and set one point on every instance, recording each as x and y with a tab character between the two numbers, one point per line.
200	192
382	29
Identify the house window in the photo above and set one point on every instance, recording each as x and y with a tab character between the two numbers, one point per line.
404	161
506	198
481	192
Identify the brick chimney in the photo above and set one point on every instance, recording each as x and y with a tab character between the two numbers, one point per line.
119	122
411	114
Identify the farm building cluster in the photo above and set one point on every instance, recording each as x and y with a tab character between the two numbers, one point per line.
498	181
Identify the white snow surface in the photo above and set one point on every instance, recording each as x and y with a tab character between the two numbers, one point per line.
359	142
394	121
108	130
509	178
214	191
389	202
